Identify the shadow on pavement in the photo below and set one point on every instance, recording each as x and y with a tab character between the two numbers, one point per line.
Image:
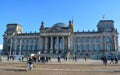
16	70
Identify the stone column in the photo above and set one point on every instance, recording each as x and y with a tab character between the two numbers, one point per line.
63	43
15	45
113	45
101	43
46	44
115	42
68	42
51	45
104	44
41	43
57	42
89	43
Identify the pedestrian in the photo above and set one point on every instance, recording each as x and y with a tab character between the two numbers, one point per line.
49	58
46	59
0	58
38	58
75	58
85	58
116	60
30	63
8	58
105	60
111	60
22	58
59	59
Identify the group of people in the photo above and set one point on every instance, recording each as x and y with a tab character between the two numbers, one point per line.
113	60
44	59
32	60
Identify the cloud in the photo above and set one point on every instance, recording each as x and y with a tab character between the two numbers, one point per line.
1	46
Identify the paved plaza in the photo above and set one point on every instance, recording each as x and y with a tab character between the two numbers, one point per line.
70	67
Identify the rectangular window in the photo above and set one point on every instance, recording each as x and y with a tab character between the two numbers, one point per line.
26	47
27	40
97	47
108	47
31	47
23	40
36	40
31	40
81	40
18	47
22	47
36	47
81	47
92	40
75	47
92	47
75	40
86	40
18	41
86	47
97	40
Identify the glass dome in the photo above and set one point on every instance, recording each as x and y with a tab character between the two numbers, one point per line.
60	24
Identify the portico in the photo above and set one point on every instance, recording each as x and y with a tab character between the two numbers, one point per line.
54	42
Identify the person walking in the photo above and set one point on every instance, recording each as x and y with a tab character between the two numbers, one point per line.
105	60
30	63
116	60
0	58
85	58
75	58
59	59
111	60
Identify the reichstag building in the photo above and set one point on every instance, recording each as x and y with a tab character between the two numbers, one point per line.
61	39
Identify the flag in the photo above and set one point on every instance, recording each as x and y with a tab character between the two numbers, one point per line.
103	17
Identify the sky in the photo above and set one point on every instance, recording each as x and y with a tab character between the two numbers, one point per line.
85	13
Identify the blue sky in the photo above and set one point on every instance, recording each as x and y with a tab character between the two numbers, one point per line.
30	13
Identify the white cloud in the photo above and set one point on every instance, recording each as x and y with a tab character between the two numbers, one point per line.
1	46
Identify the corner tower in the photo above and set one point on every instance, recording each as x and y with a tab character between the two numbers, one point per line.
105	26
11	31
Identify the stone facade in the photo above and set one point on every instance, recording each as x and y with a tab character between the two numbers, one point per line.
61	39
